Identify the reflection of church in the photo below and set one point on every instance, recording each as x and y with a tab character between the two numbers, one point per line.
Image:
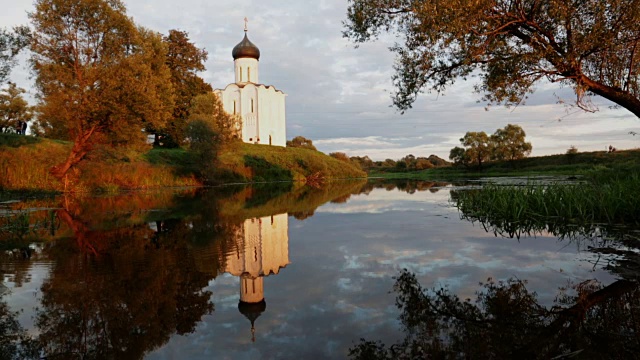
263	250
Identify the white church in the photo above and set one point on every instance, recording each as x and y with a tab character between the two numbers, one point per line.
261	107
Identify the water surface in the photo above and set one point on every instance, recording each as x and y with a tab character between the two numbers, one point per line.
161	275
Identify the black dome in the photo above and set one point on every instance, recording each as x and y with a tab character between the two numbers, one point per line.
252	310
246	49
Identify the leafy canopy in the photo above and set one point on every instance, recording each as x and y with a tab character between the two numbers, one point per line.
184	60
13	108
301	142
592	46
100	79
10	45
507	143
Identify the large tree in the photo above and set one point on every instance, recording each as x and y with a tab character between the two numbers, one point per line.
592	46
478	147
184	60
509	143
13	108
98	76
10	45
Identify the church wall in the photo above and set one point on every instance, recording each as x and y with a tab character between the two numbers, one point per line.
267	117
272	116
228	96
251	117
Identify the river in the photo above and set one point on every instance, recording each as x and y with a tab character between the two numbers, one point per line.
284	272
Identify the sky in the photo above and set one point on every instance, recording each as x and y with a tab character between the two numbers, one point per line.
340	96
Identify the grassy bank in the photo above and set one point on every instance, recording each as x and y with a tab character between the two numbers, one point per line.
25	162
273	163
575	164
607	198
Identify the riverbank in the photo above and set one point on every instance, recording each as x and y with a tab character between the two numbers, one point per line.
553	165
25	162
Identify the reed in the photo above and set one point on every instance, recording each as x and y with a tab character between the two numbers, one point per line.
606	199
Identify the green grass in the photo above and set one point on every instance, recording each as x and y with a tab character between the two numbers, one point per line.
174	157
14	140
578	164
607	198
26	162
289	164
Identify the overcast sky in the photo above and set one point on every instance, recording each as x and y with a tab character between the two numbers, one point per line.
339	96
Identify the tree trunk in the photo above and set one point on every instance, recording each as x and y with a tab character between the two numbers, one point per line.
81	147
616	95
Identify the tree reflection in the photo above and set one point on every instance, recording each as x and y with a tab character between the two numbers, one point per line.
14	340
616	244
405	185
128	272
118	292
506	321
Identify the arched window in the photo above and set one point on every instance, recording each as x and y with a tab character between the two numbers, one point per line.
249	74
234	107
240	73
252	106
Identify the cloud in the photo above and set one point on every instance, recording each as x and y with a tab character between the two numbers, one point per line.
336	91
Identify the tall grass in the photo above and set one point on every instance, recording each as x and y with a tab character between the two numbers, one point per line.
25	165
609	199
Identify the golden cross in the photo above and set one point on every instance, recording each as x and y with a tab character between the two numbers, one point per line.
246	21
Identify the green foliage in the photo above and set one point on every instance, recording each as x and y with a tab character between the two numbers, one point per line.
13	140
407	163
302	163
13	108
591	46
505	144
612	198
11	43
459	156
184	60
207	108
478	147
100	79
301	142
509	144
204	144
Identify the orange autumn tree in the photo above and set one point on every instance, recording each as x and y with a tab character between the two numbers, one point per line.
100	79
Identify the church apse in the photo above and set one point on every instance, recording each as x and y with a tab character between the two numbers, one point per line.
262	250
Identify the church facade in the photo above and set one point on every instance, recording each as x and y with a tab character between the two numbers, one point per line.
261	107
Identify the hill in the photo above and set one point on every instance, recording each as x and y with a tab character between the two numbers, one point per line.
25	162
